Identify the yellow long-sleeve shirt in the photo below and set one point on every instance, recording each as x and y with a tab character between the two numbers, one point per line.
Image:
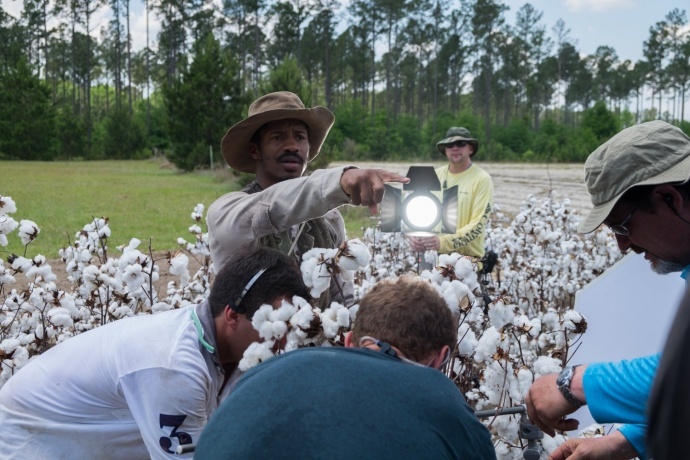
475	200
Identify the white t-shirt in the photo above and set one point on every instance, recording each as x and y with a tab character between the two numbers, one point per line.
134	388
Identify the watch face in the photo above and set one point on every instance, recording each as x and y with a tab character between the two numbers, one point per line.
565	376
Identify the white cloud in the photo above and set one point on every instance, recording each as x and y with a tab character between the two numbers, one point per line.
13	7
596	5
138	30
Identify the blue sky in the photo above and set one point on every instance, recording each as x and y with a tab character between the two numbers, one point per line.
622	24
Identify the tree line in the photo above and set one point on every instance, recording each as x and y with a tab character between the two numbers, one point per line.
397	74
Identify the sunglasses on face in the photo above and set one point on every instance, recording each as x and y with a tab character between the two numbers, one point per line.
459	144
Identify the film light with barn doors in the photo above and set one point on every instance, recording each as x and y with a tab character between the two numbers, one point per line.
415	210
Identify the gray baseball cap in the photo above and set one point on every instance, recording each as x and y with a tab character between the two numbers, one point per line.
650	153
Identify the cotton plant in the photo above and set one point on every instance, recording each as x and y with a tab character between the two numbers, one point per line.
519	326
320	265
104	287
297	324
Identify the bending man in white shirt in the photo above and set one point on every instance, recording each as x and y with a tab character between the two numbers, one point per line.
141	386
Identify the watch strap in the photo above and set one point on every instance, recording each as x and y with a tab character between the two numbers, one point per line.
563	383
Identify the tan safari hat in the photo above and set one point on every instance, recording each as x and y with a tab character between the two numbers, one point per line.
650	153
271	107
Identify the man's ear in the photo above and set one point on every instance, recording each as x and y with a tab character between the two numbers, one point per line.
254	151
437	362
348	340
669	196
231	317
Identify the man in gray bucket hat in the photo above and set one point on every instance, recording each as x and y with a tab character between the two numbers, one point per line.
475	197
638	183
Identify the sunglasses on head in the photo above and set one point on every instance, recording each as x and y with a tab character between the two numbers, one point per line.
459	144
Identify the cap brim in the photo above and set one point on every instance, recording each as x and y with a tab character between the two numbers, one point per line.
680	173
440	144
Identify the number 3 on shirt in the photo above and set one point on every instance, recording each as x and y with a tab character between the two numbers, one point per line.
173	421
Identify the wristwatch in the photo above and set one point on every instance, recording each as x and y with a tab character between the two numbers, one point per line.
563	383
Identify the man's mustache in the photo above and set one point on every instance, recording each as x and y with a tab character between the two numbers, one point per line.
292	155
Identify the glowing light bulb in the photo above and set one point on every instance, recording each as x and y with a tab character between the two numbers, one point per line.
422	212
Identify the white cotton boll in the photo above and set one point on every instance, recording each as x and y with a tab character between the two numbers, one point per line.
279	329
503	451
83	256
492	386
284	313
330	327
448	259
546	365
358	255
20	357
26	339
343	317
159	307
133	276
182	242
488	344
524	380
133	244
464	269
7	205
467	340
60	317
452	300
501	314
9	345
21	264
303	318
179	264
572	320
294	339
195	229
104	231
550	444
28	231
550	320
7	225
38	331
507	427
430	257
320	280
261	315
256	353
353	313
44	271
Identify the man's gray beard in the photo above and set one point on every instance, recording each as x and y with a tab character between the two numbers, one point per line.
663	267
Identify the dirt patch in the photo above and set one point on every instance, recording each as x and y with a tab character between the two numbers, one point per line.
59	269
514	182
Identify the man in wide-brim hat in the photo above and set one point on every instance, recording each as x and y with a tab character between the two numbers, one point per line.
280	208
475	197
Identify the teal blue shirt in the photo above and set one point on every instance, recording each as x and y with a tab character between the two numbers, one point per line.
341	404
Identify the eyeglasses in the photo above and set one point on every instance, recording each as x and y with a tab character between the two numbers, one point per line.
459	144
622	228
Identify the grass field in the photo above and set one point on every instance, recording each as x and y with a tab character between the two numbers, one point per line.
143	199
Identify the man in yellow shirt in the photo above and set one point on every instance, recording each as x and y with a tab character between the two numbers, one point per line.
475	197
